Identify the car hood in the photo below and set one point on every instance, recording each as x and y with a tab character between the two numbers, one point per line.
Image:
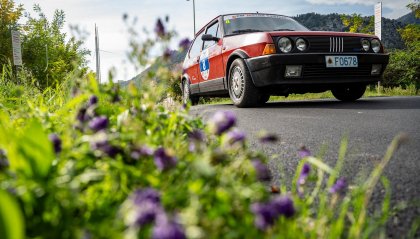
319	33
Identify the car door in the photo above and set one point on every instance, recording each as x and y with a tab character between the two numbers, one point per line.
211	63
191	65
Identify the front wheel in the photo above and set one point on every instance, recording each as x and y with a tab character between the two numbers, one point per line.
242	90
349	93
186	94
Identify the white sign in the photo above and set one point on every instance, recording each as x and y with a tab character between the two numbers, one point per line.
378	20
17	50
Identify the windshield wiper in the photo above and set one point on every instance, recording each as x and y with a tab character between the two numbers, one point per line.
246	30
284	29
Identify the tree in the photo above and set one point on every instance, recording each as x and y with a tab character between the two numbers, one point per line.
404	67
9	16
411	33
415	7
44	38
357	23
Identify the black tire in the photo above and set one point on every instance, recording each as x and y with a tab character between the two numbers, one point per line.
264	99
186	94
349	93
242	90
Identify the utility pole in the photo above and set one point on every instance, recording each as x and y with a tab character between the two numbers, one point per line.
98	57
193	15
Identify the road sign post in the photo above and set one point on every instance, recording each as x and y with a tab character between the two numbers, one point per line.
378	20
17	50
378	30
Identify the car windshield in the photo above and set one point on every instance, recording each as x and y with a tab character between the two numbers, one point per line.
244	23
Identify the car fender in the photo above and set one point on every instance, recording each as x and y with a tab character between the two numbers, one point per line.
184	77
239	53
195	88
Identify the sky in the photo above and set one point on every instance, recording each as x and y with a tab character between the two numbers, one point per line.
108	16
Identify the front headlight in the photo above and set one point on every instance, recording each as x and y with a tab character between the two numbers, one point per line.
301	44
285	45
376	45
366	45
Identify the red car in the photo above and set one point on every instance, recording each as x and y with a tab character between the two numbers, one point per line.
252	56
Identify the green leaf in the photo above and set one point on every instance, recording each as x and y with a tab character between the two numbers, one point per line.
11	219
31	152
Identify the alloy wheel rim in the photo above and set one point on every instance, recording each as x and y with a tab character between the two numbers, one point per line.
237	83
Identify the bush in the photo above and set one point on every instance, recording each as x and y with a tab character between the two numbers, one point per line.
403	68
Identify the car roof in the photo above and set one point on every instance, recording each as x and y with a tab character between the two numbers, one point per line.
241	13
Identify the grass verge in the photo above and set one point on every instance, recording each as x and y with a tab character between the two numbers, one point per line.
370	92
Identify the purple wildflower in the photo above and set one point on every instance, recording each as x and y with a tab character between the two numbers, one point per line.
264	215
269	138
116	98
304	152
184	106
340	186
146	205
56	142
167	229
147	213
142	195
105	147
160	28
223	121
304	174
168	54
184	44
164	161
235	136
4	163
197	135
82	116
140	152
99	123
110	150
262	171
283	205
93	100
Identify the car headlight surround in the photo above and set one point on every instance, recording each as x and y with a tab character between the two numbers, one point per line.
376	45
285	45
301	44
366	45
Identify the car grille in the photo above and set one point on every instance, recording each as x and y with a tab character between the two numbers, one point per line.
321	71
334	44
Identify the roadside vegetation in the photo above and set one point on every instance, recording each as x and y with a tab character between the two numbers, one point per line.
80	159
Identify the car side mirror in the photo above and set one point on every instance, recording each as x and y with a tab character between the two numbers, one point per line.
209	37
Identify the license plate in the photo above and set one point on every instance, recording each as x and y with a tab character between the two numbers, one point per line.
341	61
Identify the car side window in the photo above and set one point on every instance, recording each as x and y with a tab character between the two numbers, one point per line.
197	46
214	31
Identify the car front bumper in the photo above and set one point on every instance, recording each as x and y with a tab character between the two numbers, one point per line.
270	70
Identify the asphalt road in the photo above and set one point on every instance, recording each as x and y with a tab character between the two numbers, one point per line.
370	125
